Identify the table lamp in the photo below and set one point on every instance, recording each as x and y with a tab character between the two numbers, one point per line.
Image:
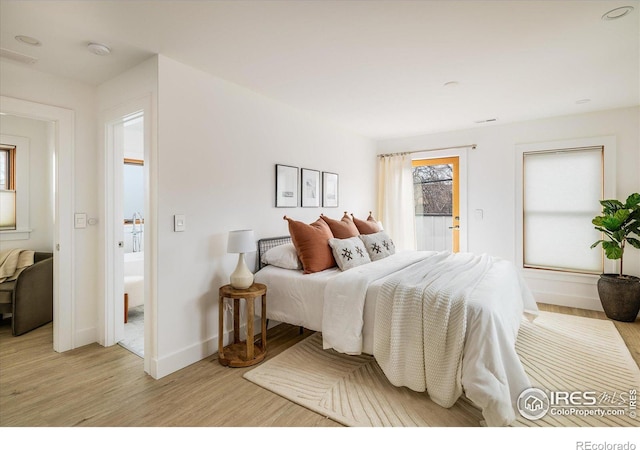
241	241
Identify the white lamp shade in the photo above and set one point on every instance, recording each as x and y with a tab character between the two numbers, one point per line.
241	241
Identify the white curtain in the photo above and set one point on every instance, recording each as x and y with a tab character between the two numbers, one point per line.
395	199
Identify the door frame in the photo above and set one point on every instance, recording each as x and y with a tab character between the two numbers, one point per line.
64	327
462	155
111	311
454	161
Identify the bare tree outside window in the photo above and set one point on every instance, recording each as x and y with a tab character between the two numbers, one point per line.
433	190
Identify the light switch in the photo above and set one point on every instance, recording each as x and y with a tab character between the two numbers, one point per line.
478	214
179	222
80	220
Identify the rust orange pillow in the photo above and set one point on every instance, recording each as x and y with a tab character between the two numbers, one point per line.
368	226
312	244
343	228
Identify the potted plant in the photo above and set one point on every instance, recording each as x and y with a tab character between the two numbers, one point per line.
619	293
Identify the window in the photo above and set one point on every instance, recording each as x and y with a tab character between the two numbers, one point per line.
7	187
433	190
561	193
7	167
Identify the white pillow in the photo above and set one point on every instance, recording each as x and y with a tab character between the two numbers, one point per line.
349	253
379	245
284	256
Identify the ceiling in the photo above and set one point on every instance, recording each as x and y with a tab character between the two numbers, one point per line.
378	68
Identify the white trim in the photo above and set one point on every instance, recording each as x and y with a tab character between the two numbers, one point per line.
63	277
462	154
19	234
111	309
609	145
555	287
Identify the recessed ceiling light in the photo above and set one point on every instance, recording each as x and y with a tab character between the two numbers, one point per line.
28	40
99	49
486	120
451	84
582	101
617	13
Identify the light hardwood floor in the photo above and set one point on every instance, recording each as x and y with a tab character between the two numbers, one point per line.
95	386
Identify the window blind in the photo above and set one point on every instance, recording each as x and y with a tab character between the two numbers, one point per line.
562	189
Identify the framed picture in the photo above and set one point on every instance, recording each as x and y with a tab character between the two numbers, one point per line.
286	186
329	190
310	188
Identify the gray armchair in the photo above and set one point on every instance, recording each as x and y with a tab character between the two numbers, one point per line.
30	297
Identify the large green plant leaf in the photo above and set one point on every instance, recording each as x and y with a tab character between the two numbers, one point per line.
612	250
614	222
622	214
633	241
619	235
611	206
633	201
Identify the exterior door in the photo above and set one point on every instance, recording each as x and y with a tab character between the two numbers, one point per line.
436	184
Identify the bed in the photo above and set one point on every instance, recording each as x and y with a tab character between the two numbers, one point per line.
464	346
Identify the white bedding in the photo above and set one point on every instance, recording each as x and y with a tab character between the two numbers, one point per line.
343	306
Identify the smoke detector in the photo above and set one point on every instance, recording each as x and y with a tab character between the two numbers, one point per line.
99	49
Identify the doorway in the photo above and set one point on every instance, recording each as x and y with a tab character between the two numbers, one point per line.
126	142
436	183
131	130
62	123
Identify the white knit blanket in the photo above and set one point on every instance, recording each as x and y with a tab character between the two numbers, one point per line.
421	321
473	310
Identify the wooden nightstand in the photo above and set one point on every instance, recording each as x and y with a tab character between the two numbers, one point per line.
238	353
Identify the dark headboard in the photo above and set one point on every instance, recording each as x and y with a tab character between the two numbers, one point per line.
269	243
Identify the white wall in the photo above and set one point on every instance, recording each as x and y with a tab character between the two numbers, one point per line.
215	162
492	178
35	167
25	83
218	145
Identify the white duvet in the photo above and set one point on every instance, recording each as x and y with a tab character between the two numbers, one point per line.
423	347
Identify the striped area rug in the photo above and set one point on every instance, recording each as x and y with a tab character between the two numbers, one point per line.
559	353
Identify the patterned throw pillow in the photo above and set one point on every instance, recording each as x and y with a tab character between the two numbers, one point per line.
349	253
379	245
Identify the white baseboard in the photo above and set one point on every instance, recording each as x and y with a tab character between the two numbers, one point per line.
194	353
564	289
85	337
571	301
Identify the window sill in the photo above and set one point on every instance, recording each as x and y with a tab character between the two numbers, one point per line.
15	235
